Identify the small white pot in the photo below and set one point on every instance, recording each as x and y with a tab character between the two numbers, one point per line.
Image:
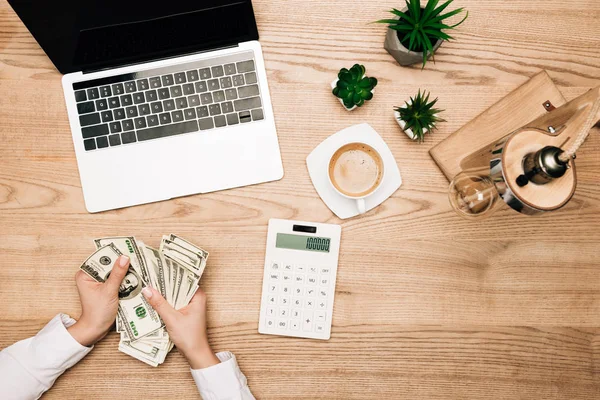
333	85
402	124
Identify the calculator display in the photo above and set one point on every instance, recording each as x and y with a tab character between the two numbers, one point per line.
300	242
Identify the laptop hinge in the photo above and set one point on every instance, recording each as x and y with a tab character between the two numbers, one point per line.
89	71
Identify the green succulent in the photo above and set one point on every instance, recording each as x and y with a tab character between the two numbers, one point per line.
419	114
419	29
353	87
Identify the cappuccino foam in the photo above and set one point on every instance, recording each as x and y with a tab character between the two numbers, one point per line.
356	170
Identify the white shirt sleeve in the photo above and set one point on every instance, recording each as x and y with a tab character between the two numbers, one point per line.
28	368
223	381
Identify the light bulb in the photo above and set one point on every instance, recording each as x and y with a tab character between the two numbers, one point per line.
473	194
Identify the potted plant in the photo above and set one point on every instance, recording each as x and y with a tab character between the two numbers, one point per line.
418	117
417	32
352	87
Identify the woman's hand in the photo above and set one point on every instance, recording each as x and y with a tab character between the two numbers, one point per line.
99	304
186	327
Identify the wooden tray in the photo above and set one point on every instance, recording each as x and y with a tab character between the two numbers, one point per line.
530	101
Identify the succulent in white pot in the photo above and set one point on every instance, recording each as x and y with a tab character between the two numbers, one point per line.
353	88
417	117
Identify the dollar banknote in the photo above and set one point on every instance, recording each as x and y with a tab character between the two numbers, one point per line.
174	269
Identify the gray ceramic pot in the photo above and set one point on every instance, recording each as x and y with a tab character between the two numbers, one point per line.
399	52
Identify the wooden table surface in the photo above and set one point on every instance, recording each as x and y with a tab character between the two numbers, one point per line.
428	305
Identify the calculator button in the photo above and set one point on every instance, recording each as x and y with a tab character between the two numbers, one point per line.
323	293
322	304
325	271
313	270
320	327
297	302
299	269
299	279
312	280
270	323
298	291
296	313
274	276
320	316
282	324
272	300
275	265
324	281
288	267
284	300
286	289
272	288
309	303
311	292
295	325
270	312
307	321
287	278
284	312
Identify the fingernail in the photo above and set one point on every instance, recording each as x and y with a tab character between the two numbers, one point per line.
123	261
147	292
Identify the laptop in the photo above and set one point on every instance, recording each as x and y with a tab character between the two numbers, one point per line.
165	99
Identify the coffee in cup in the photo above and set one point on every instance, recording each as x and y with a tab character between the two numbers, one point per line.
356	170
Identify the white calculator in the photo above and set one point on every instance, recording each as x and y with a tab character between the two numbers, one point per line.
299	280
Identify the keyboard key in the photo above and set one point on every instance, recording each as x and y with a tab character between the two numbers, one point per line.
231	94
177	116
247	104
311	292
164	94
217	71
119	113
250	78
155	82
248	91
86	107
144	109
152	120
307	322
312	280
80	96
165	118
105	92
309	303
89	119
202	111
206	123
167	130
115	127
214	109
167	80
205	73
101	105
194	100
323	293
218	96
245	66
181	103
102	142
180	78
227	107
232	119
319	327
282	324
140	123
257	114
238	80
230	69
142	84
226	82
127	125
322	304
272	300
190	113
245	116
192	75
118	89
176	91
270	323
271	312
107	116
126	100
169	105
138	98
213	85
156	107
201	87
324	281
114	140
130	87
206	98
89	144
188	89
93	94
114	102
131	112
220	121
128	137
295	325
320	316
151	95
93	131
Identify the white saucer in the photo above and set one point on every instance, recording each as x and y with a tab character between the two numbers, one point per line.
318	165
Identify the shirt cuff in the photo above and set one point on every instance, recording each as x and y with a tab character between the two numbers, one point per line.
220	381
51	352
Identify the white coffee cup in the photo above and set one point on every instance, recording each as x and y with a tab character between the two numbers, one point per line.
355	171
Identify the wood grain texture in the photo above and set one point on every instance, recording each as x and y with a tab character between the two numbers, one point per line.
428	306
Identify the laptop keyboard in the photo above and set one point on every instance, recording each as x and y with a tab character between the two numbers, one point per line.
163	102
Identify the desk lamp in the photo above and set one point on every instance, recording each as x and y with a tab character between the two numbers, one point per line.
532	169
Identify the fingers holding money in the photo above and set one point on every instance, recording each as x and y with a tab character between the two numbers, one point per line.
162	307
118	273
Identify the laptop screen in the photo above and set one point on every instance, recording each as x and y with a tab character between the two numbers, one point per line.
87	35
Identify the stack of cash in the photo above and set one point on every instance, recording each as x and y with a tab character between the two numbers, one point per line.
174	270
